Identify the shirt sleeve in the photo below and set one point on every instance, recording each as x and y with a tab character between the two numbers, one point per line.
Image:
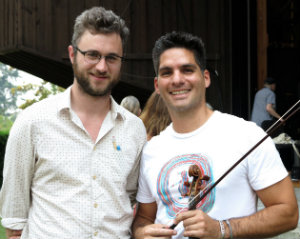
265	166
134	174
132	182
14	223
17	175
144	194
271	99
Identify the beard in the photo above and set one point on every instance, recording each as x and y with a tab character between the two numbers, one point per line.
86	86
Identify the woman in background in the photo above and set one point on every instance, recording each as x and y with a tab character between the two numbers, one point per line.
155	115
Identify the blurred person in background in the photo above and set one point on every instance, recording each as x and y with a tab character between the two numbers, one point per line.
155	115
264	106
132	104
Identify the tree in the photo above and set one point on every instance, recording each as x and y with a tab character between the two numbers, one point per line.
7	99
40	92
10	93
5	123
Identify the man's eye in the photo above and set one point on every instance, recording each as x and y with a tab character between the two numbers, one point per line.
92	55
111	58
188	70
165	73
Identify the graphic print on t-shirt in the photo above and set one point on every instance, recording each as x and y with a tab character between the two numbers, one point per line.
173	183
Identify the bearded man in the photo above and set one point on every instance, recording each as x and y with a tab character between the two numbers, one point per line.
71	163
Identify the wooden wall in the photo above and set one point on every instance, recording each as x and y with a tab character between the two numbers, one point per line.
36	33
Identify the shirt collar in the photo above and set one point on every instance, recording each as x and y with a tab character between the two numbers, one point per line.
116	110
65	101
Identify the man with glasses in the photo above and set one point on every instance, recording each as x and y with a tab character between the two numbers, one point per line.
71	162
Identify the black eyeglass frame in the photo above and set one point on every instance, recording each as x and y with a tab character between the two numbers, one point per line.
100	56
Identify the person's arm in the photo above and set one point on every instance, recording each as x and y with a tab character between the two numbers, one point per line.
270	109
18	171
132	181
139	139
279	215
143	224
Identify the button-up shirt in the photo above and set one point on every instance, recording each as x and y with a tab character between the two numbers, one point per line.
58	183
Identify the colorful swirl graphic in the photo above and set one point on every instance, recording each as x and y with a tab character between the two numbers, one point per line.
171	187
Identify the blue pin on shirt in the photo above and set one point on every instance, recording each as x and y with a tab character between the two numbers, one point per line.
116	147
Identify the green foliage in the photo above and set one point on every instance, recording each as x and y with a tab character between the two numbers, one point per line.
6	122
10	93
2	232
41	92
7	99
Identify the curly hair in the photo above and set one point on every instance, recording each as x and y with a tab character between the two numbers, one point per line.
99	20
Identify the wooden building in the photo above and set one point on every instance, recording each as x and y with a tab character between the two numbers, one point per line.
35	34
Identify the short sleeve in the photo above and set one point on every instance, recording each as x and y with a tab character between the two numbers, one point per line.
144	192
265	166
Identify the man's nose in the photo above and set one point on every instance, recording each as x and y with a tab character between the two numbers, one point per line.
101	65
177	78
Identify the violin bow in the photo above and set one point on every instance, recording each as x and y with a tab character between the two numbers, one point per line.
202	194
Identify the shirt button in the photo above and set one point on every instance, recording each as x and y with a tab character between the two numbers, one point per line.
94	177
95	233
95	205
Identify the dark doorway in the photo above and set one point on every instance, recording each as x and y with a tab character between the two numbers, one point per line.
283	57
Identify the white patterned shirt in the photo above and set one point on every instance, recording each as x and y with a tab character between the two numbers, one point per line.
58	183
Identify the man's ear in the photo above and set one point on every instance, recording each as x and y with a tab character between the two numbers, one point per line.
206	76
71	53
156	85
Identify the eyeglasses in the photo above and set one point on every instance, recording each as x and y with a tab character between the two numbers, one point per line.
93	57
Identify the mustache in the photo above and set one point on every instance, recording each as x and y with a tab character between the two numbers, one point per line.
99	74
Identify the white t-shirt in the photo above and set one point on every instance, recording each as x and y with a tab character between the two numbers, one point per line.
214	148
